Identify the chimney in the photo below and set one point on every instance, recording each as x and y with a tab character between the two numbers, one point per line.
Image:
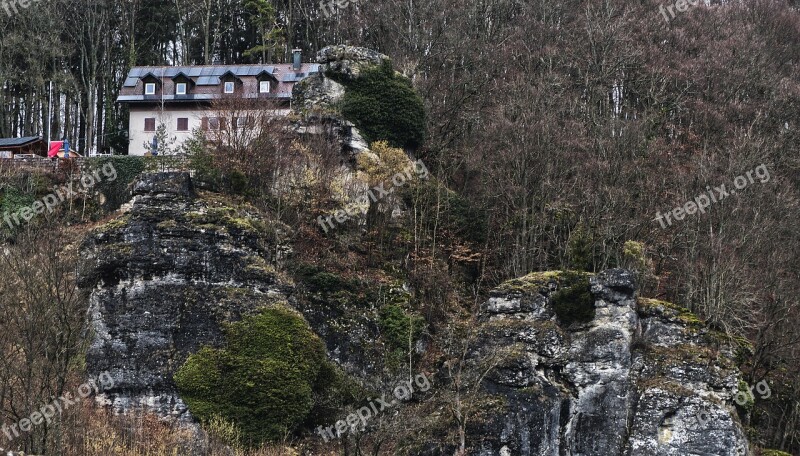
297	59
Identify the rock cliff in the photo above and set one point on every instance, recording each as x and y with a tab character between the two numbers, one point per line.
164	277
568	363
641	377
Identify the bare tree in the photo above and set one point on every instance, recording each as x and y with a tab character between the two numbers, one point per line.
44	329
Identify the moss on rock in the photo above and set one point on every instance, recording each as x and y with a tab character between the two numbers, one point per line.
114	224
774	453
668	385
669	310
264	381
531	283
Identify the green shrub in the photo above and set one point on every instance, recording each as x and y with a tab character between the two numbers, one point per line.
127	167
201	160
264	381
384	106
12	200
239	183
573	302
397	324
317	279
580	249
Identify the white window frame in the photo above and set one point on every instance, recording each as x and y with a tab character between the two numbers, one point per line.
242	122
150	88
231	85
261	86
180	88
212	121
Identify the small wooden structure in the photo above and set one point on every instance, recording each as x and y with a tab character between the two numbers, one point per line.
29	145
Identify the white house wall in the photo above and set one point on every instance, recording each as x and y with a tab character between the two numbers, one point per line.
169	116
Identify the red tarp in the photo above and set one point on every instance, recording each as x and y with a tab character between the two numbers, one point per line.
55	147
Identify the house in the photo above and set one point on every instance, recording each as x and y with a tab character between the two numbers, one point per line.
29	145
181	97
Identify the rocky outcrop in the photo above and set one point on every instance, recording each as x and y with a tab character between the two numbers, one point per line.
164	277
321	92
315	99
633	376
641	377
167	274
348	61
317	94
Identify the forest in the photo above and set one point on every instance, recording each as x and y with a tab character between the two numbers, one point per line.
562	135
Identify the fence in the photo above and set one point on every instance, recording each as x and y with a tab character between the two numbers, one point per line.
153	164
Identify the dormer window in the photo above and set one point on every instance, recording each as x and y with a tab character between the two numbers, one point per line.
150	88
266	81
182	83
229	86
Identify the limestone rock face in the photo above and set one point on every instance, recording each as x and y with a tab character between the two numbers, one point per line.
641	378
348	61
321	93
317	93
315	98
638	377
164	278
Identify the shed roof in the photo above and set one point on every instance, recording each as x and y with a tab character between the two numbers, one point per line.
18	142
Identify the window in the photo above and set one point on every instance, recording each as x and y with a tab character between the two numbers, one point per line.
150	124
229	87
263	87
150	88
242	122
183	124
180	88
213	123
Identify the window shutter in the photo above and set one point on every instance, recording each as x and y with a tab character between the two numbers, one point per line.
204	123
150	124
222	123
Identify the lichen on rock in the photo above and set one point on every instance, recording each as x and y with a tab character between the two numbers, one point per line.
641	377
165	277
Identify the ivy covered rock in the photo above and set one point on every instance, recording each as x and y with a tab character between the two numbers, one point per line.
384	107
